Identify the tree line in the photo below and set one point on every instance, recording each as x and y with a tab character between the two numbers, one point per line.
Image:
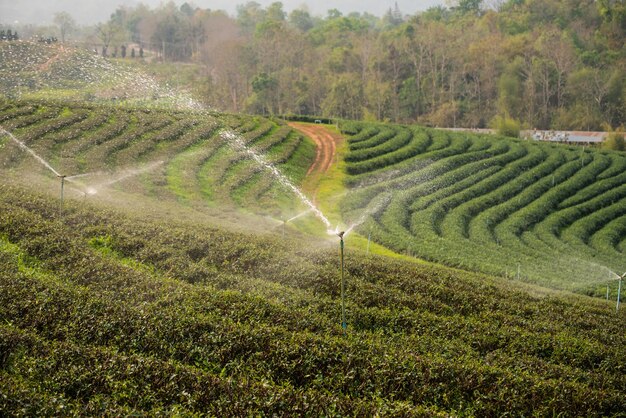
545	64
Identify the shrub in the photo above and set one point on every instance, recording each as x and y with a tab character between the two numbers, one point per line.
506	126
614	141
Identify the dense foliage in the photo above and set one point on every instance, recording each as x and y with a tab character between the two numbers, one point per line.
103	313
549	64
540	212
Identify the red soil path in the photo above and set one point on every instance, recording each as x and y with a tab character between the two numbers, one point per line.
326	142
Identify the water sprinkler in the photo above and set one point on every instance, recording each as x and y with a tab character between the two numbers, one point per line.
62	177
344	324
619	291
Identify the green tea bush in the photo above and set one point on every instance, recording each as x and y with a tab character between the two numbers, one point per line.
491	205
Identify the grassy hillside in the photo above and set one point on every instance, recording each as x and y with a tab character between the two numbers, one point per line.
544	213
103	312
33	70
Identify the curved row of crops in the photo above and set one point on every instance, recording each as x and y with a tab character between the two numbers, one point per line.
199	166
106	314
540	212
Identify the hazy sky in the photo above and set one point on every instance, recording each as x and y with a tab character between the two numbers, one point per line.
93	11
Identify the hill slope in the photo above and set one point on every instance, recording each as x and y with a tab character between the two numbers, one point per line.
173	156
145	311
102	313
544	213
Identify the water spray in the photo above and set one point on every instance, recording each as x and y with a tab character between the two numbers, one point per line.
238	144
344	324
24	147
301	214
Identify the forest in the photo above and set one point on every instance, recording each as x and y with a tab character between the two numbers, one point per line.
540	64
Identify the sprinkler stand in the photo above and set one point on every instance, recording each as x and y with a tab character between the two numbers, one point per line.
62	186
369	237
619	291
344	324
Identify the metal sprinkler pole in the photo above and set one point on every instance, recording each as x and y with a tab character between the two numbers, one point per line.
619	291
369	237
62	186
344	324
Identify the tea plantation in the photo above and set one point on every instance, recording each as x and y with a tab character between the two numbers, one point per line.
538	212
106	313
112	309
195	166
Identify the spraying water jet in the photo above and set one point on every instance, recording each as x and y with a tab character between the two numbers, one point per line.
24	147
238	144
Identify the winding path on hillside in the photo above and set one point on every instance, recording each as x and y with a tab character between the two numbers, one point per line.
326	145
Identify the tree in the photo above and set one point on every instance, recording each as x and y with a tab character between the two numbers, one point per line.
472	7
249	15
301	19
588	89
345	98
264	98
66	24
107	33
275	12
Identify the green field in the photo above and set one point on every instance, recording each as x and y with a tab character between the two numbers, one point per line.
109	313
542	213
168	283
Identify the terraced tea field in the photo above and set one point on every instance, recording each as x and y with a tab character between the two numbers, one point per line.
109	313
543	213
178	156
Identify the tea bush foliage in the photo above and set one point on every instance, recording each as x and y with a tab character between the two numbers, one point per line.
105	313
133	312
543	213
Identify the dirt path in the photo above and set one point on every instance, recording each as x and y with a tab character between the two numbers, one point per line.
326	145
51	60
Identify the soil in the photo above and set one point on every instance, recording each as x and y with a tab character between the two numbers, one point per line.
326	142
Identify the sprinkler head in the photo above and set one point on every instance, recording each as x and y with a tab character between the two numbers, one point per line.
340	234
61	176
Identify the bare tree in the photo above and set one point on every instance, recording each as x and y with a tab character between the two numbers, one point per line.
66	24
109	32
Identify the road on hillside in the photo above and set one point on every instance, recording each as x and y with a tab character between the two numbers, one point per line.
326	145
